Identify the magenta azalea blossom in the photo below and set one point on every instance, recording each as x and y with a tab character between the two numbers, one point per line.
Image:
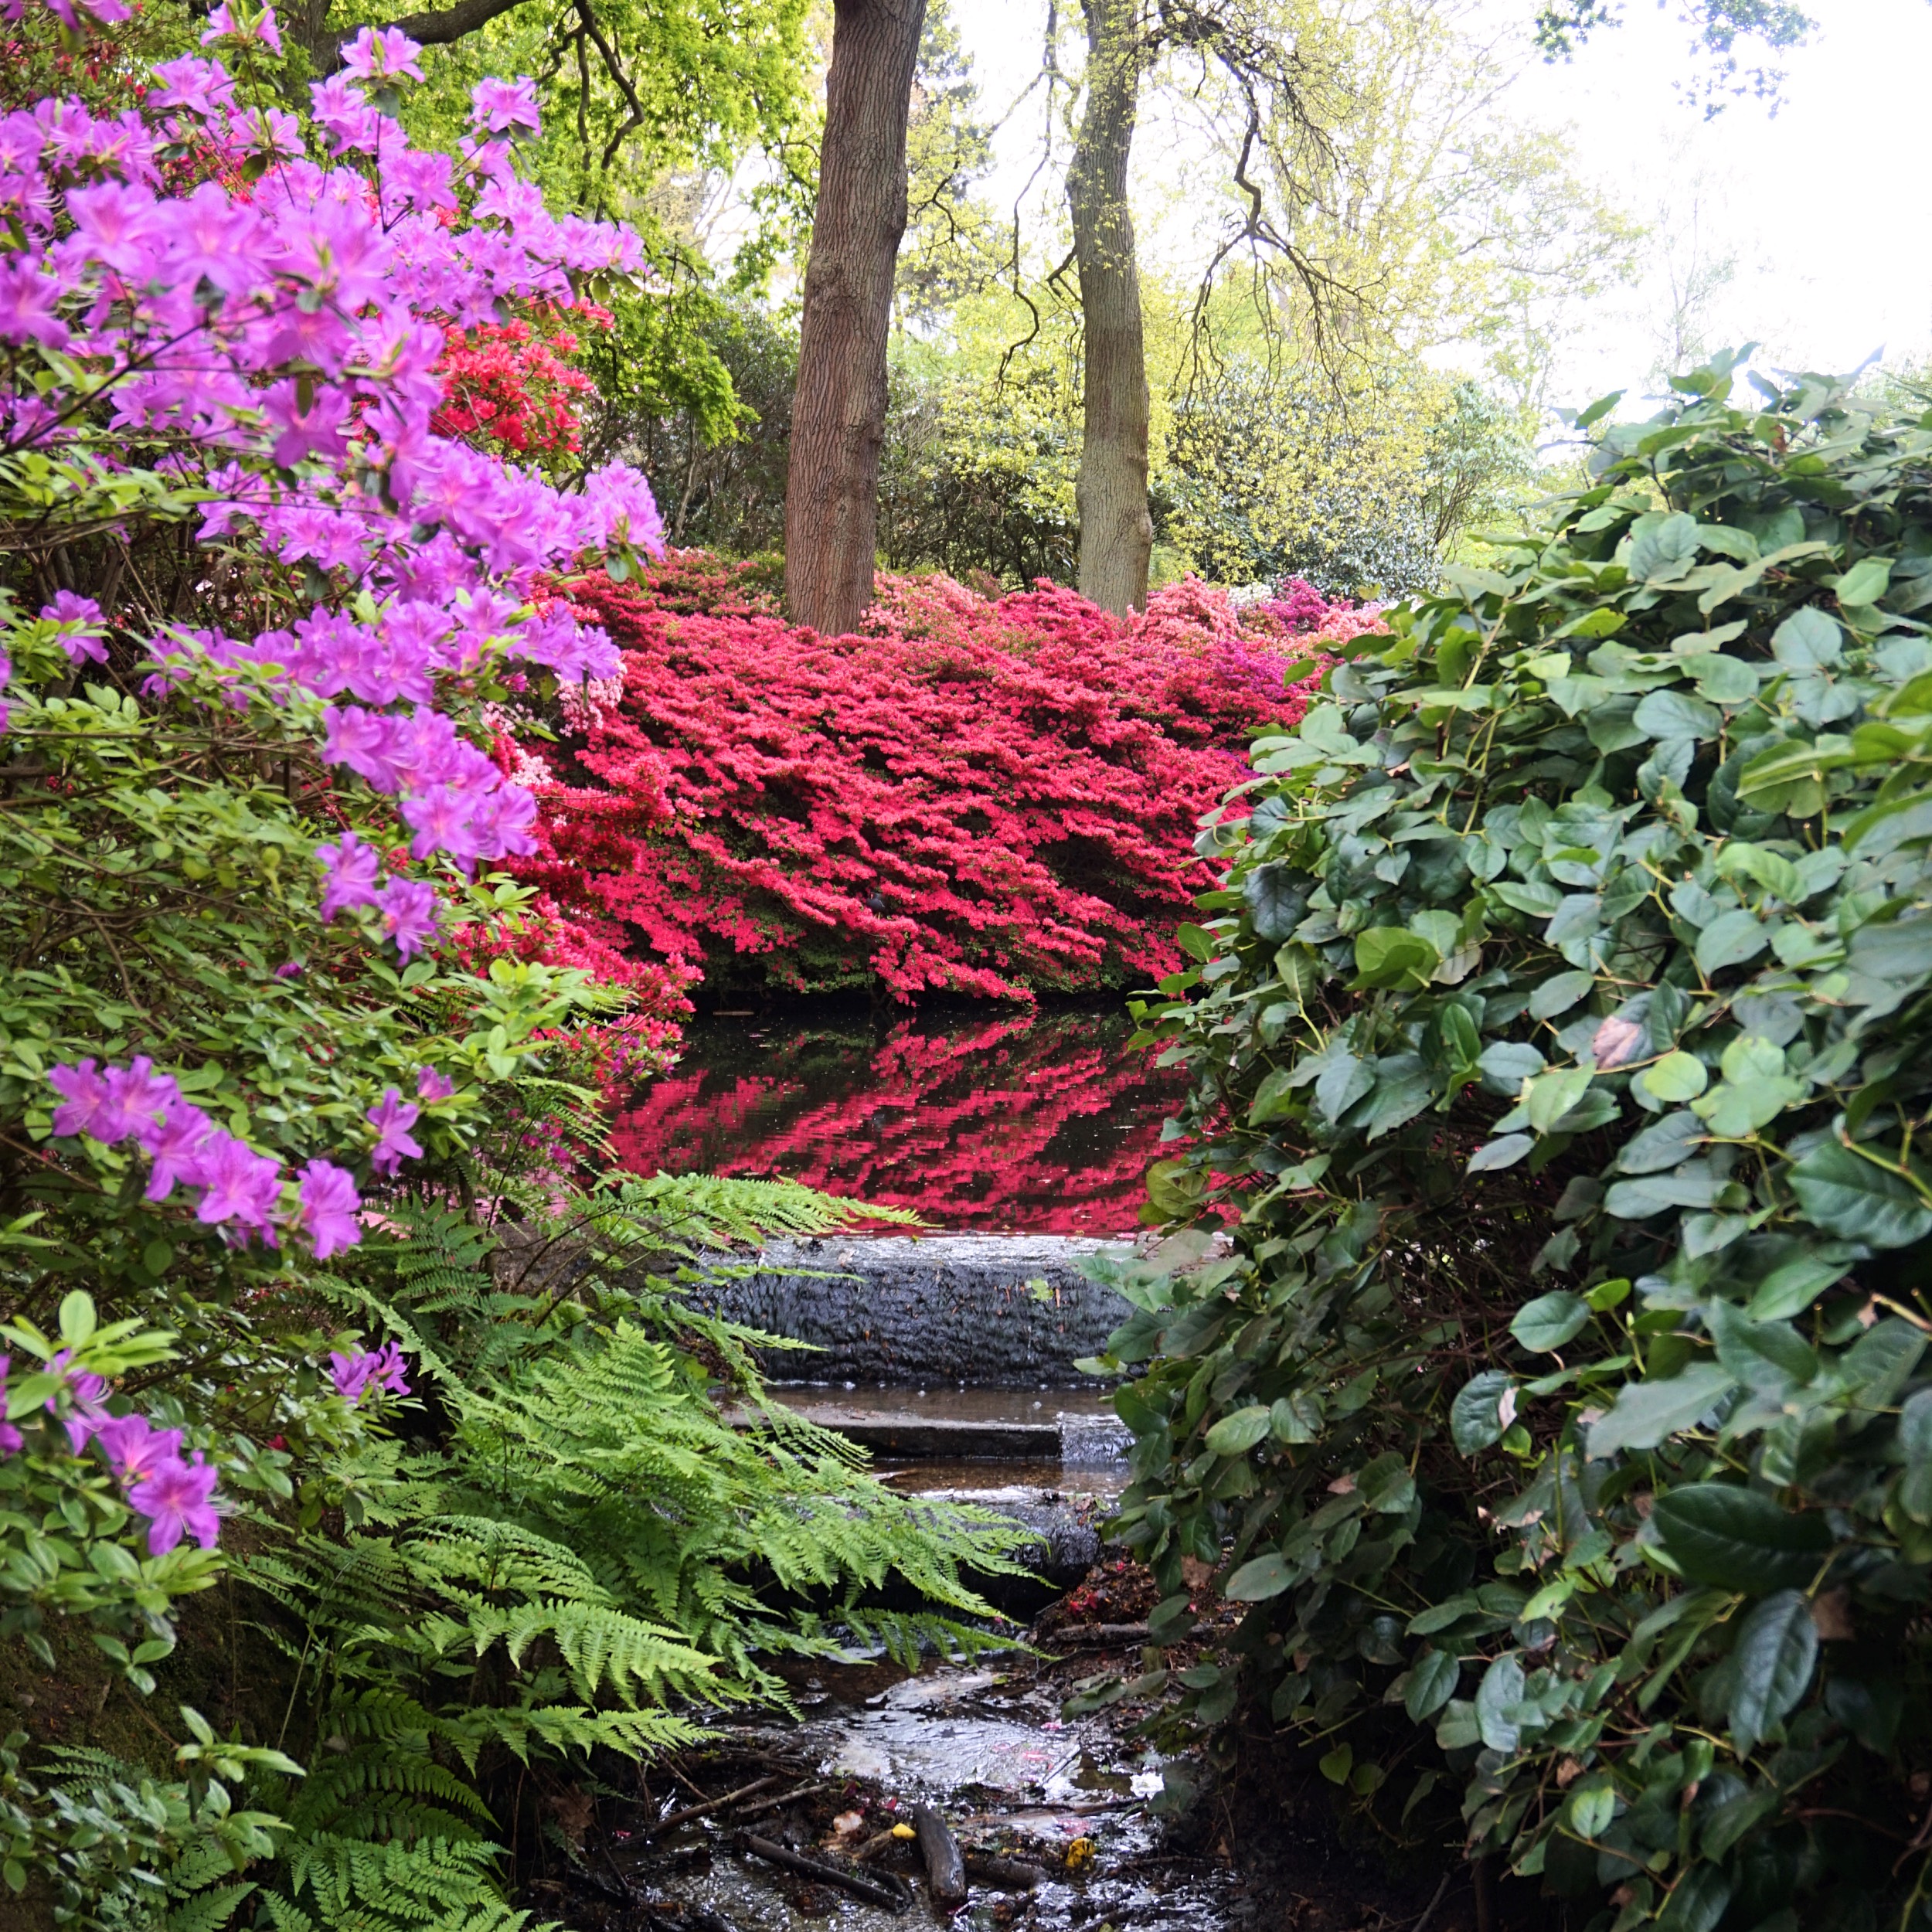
349	871
381	1369
432	1085
135	1449
10	1438
88	1398
329	1205
174	1144
176	1498
393	1117
86	1105
83	627
242	1186
409	914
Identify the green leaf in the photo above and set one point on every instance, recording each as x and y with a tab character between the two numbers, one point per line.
1729	939
1498	1700
1677	1076
1737	1538
78	1321
1666	1143
1692	1186
1195	941
1393	956
1866	581
1776	1653
1591	1808
1672	714
1234	1435
1255	1582
1550	1320
1793	1286
1644	1413
1431	1684
1559	995
1336	1764
1724	680
1808	639
1474	1423
1551	1096
1846	1194
1697	1902
1277	900
1505	1152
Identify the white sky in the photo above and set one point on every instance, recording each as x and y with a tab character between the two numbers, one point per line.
1825	208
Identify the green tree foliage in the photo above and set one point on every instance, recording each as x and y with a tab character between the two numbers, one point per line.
1563	1410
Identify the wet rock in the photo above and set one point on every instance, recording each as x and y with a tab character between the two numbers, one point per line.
997	1311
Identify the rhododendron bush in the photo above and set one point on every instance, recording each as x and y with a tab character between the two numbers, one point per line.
981	796
273	1019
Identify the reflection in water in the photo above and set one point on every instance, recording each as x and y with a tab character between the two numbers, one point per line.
1041	1123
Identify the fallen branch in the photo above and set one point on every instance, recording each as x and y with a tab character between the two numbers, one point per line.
1099	1634
714	1803
783	1797
1004	1874
945	1868
859	1884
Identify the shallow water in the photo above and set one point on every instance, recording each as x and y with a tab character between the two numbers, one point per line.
1042	1122
987	1745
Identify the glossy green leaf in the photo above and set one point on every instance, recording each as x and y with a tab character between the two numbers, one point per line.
1550	1320
1776	1653
1644	1413
1738	1539
1846	1193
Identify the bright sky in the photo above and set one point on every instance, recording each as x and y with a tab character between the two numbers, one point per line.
1824	209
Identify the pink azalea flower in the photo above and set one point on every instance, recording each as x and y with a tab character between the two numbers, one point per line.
432	1086
87	1396
354	1374
409	914
175	1144
85	627
393	1117
384	53
350	869
329	1205
87	1105
242	1185
10	1438
135	1449
175	1498
497	106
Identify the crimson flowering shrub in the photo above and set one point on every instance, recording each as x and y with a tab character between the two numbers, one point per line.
980	795
509	385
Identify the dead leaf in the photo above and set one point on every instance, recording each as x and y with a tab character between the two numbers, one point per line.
1832	1615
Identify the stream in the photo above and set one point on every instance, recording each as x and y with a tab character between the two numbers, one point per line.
951	1355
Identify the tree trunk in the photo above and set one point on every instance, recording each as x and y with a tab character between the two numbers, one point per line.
839	416
1117	534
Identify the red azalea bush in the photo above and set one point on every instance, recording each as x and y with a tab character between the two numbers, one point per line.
980	795
508	388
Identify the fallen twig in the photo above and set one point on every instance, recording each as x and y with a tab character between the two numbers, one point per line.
783	1797
1099	1634
713	1803
861	1885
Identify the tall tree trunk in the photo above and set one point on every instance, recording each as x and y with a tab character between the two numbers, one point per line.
838	415
1117	534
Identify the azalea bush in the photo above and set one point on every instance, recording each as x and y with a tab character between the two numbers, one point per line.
1564	1412
291	1067
990	795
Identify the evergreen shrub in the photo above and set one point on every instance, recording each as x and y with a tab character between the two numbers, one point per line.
1563	1410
